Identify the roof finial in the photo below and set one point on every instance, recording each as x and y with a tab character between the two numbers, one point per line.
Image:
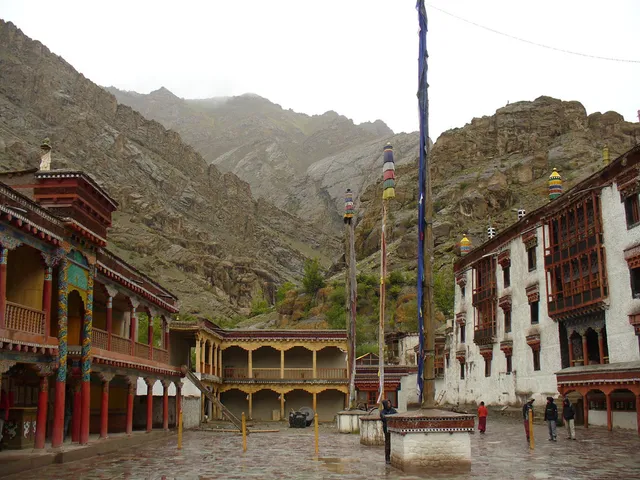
45	159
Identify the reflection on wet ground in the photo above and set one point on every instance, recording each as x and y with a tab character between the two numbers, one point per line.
502	453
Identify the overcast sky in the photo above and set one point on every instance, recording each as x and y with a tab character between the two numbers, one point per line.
357	57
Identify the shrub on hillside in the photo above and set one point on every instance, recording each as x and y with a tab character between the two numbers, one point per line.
313	279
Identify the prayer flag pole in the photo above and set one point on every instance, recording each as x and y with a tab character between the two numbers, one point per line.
352	293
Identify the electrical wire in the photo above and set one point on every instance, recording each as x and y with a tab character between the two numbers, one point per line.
530	42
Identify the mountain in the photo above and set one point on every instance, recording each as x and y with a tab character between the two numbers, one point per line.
483	172
197	230
300	163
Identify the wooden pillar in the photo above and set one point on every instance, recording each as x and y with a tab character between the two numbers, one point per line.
87	329
197	354
165	405
315	402
133	385
281	364
315	370
638	412
104	407
150	334
250	405
220	366
585	407
178	400
250	372
601	344
585	351
109	319
57	432
3	284
282	417
210	372
46	300
570	349
609	413
77	410
133	330
43	403
149	382
215	359
203	359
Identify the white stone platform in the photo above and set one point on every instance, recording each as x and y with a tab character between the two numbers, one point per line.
431	438
348	421
371	430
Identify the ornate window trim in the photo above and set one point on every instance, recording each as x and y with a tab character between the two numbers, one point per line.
533	293
504	258
461	279
634	320
461	318
534	341
628	183
487	352
504	302
632	256
507	348
530	238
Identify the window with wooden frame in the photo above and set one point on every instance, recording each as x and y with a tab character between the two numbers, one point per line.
531	258
634	274
463	331
574	257
461	370
506	277
632	210
536	359
509	364
534	310
487	366
485	301
507	321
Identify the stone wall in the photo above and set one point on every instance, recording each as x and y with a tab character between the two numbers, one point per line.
190	412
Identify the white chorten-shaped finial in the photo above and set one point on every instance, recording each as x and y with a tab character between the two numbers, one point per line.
45	159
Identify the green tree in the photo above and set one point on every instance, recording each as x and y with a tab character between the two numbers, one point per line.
313	279
444	291
258	307
143	330
281	293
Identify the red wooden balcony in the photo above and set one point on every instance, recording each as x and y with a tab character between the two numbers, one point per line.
122	346
24	319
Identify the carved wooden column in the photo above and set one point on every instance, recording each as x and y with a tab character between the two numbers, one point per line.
601	344
215	360
585	350
150	333
105	378
315	402
133	328
165	404
46	299
57	432
198	353
150	382
250	369
609	412
281	364
87	334
250	405
210	370
44	371
111	293
220	367
314	361
282	417
133	385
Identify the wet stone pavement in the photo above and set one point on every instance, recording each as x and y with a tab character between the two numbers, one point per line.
502	453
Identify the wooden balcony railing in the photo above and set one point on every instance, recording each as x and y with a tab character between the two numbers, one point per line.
100	339
24	319
120	344
289	373
142	350
160	355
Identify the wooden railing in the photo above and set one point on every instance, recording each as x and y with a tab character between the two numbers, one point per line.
160	355
142	350
289	373
100	339
207	368
120	344
24	319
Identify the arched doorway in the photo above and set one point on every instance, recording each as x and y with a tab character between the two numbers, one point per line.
265	364
266	405
329	402
75	318
597	404
236	401
623	409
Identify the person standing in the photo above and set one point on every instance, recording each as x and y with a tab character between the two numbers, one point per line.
569	415
387	409
551	417
482	417
527	410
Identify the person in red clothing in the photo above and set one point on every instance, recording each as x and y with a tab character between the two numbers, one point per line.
482	417
5	404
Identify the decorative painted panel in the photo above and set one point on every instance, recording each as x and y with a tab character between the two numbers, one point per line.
78	277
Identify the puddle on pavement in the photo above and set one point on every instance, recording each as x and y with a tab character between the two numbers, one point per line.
336	464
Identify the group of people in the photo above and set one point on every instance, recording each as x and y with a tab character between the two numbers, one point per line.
550	416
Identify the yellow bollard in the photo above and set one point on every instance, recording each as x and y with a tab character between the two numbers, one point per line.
315	427
180	430
532	443
244	433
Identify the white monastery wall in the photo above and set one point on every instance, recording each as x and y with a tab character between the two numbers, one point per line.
621	340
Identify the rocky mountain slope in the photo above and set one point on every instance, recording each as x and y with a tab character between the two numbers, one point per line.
199	231
486	170
300	163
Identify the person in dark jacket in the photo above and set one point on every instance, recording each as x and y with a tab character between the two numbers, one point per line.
551	417
527	410
569	415
387	409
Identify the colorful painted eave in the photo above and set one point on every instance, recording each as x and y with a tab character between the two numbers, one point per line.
41	174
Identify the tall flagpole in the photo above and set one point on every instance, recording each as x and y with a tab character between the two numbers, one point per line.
352	293
388	192
426	310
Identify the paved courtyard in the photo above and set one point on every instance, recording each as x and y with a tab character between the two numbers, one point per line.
502	453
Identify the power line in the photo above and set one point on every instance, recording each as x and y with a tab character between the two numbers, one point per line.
524	40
